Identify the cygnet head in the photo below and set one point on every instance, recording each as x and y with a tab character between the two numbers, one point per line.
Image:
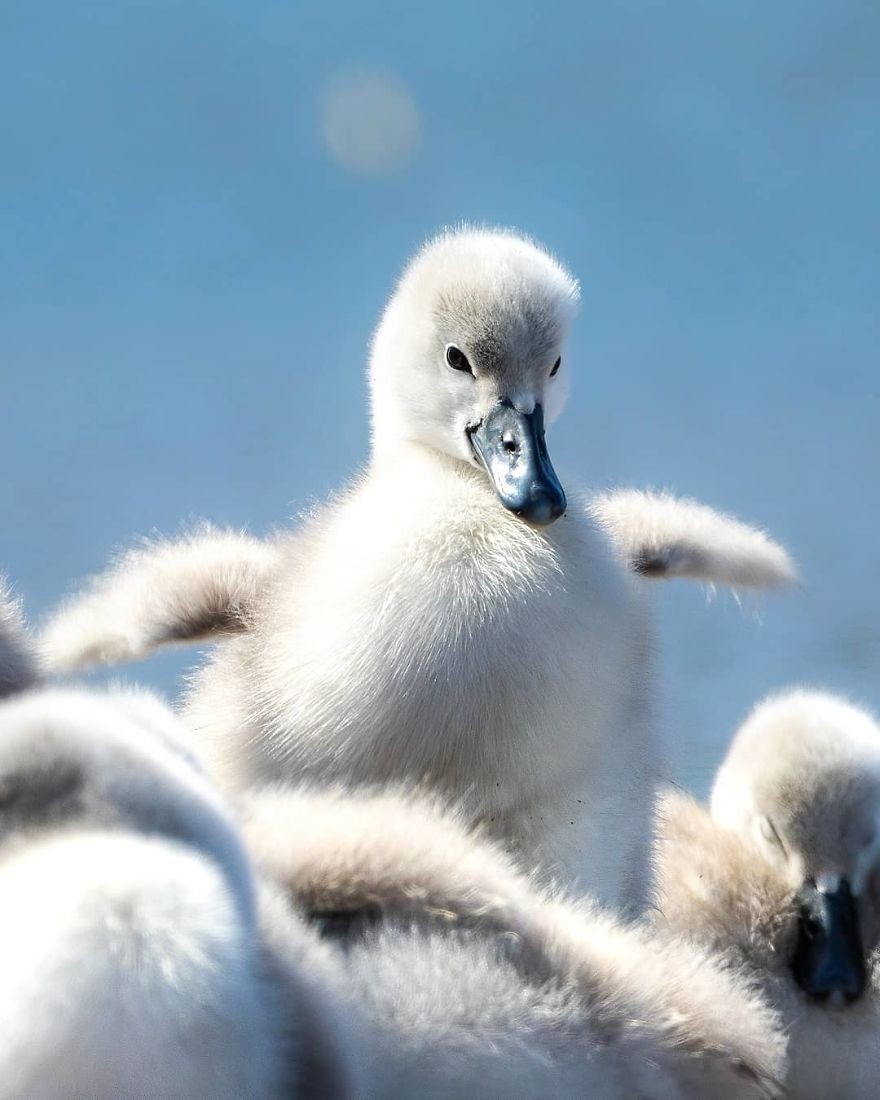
469	360
802	781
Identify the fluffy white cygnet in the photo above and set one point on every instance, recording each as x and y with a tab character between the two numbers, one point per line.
785	876
456	616
140	960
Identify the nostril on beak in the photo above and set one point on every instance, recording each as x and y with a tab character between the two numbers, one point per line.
510	446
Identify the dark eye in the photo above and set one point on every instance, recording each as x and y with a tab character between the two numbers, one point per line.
771	834
556	366
457	359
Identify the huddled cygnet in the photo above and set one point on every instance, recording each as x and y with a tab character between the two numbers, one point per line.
476	982
140	955
783	874
456	615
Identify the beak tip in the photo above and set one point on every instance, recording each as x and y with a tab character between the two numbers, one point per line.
544	513
510	446
542	506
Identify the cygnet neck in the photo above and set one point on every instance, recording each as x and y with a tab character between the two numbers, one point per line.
414	454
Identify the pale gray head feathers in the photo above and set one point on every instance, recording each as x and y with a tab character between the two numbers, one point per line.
802	781
499	298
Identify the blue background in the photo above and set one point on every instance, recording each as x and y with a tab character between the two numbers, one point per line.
189	278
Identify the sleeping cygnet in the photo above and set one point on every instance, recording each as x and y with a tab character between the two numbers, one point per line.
784	875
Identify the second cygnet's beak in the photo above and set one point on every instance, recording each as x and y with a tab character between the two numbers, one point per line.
829	960
510	445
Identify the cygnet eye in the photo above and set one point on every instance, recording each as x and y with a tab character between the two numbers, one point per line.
457	359
556	366
771	835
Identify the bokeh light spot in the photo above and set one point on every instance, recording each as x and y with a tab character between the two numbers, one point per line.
370	122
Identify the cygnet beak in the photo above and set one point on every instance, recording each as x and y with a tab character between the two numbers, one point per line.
829	960
510	445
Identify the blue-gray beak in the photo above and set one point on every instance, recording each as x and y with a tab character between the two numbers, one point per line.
829	957
510	445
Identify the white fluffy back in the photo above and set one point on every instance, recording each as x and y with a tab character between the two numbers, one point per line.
127	973
475	975
132	751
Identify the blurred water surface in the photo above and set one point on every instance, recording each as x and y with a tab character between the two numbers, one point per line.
203	207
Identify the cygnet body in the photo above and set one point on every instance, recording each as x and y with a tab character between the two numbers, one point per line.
785	874
456	616
140	959
476	982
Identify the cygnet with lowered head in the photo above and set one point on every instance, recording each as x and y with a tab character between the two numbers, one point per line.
785	875
457	616
802	779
